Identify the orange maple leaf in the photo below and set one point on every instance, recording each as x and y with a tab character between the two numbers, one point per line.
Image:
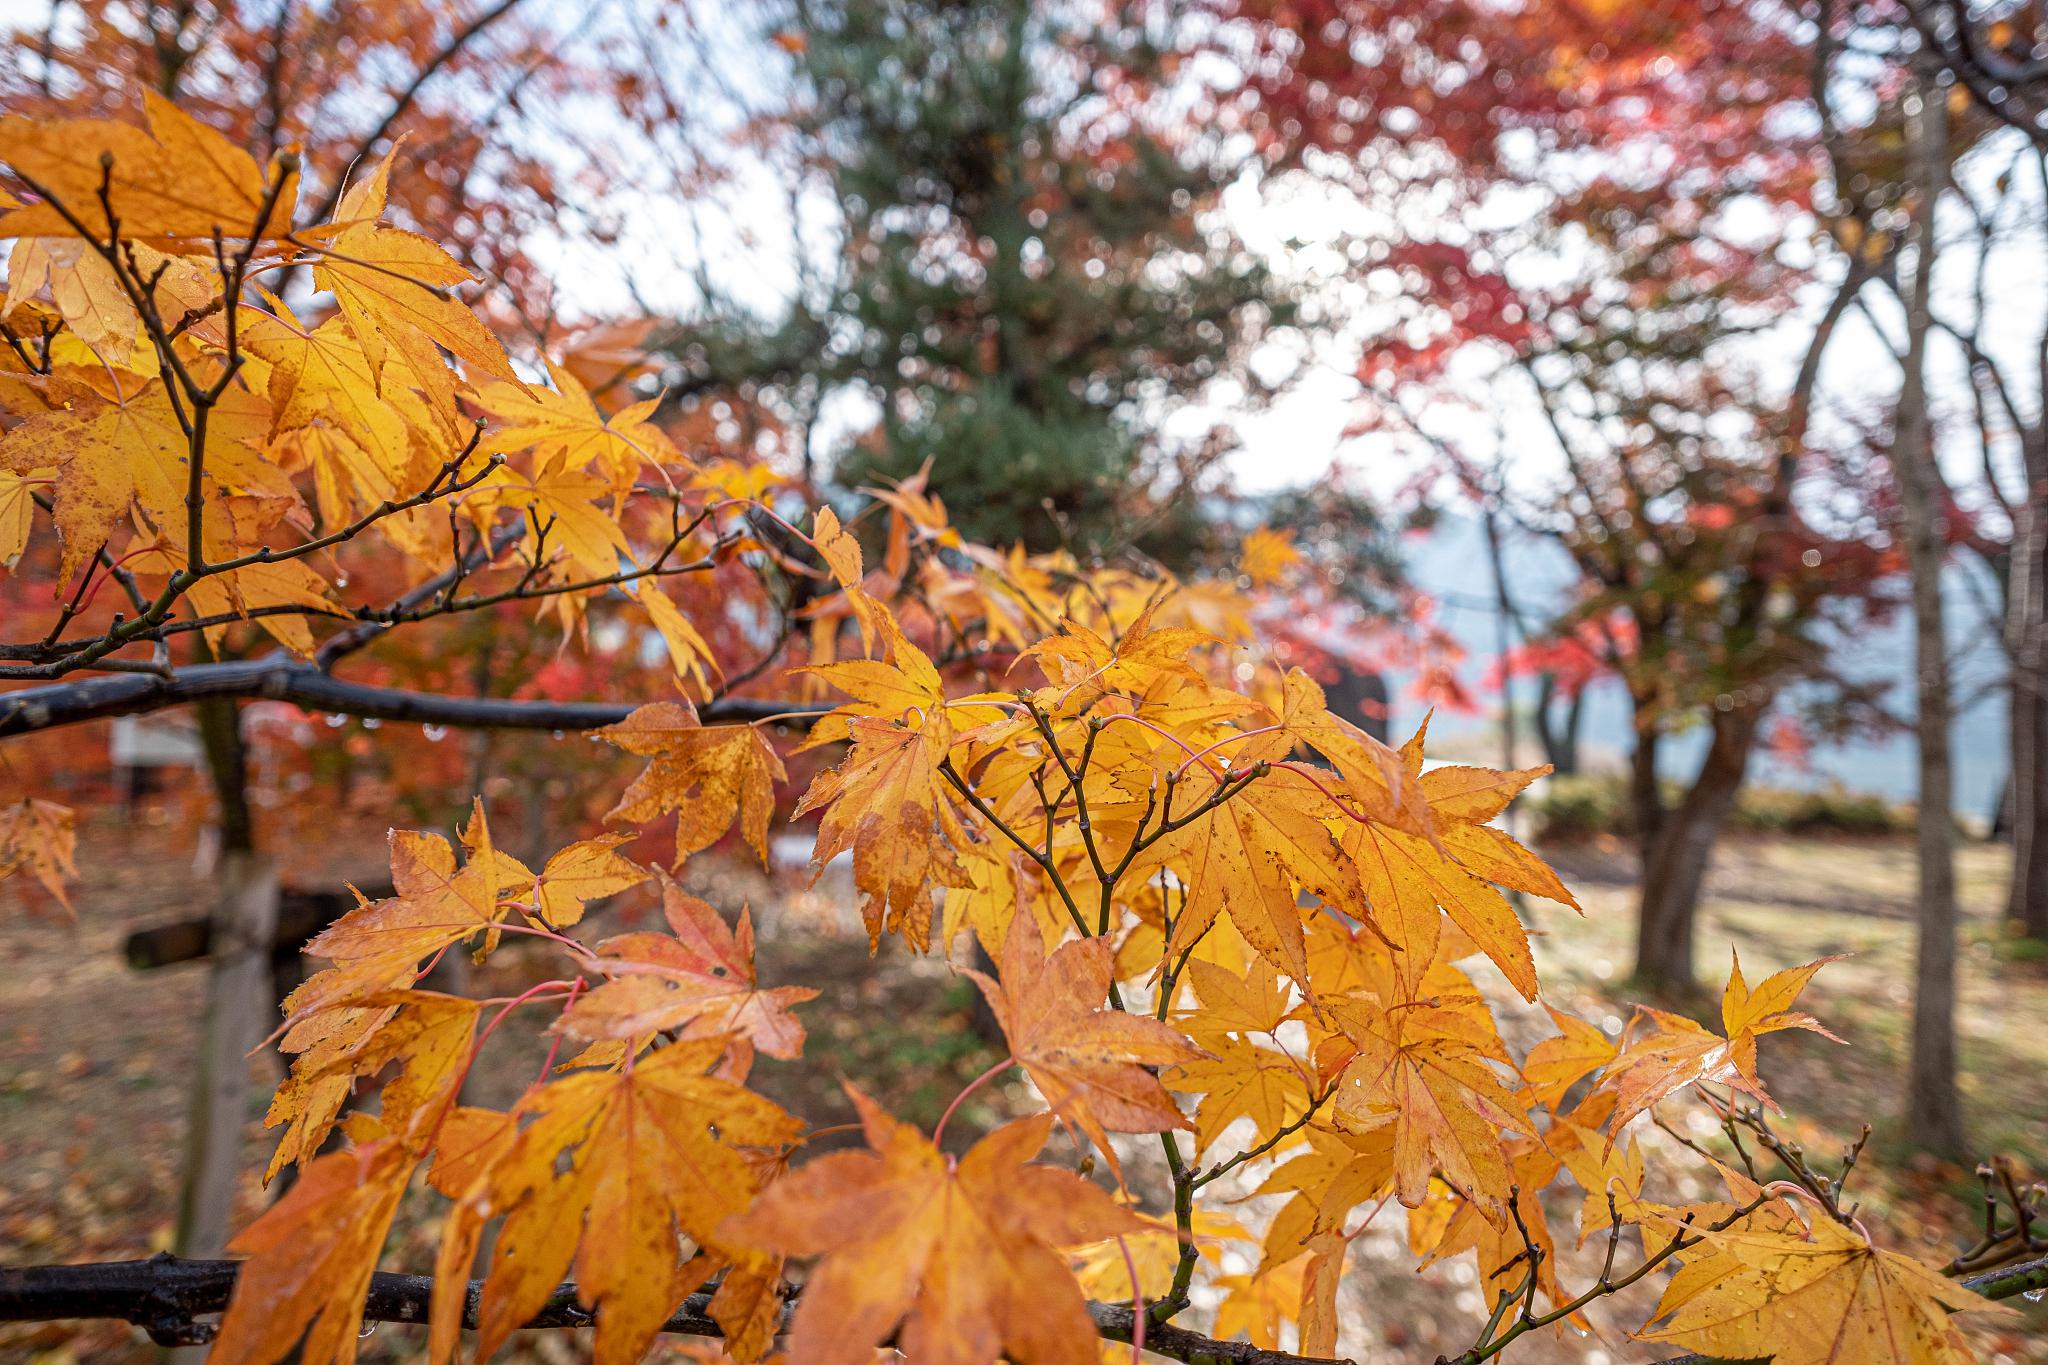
180	179
698	978
1675	1052
41	838
710	775
961	1261
1432	1072
1088	1061
379	945
606	1168
310	1257
887	802
426	1034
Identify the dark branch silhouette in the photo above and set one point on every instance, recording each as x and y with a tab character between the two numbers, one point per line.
280	678
168	1297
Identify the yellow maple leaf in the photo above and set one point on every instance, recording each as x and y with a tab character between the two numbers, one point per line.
1380	783
688	653
588	870
323	376
606	1169
1251	1001
1258	1305
1824	1297
1408	881
1555	1065
469	1144
1493	855
1240	1079
1083	664
17	510
1267	557
1432	1072
565	431
997	884
392	287
1674	1052
559	508
85	289
889	805
1338	1172
1105	1274
1245	858
130	452
1474	795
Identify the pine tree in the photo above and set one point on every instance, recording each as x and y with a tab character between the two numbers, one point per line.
1033	277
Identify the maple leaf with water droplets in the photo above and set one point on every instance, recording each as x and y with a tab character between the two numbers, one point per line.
309	1259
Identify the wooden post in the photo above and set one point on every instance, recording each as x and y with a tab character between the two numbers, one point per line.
238	1011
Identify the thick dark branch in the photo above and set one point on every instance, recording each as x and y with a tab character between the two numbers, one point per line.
168	1297
279	678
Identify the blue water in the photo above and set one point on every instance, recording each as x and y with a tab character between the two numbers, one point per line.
1450	563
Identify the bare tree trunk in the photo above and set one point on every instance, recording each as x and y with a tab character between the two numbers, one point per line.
1645	800
1503	640
1933	1111
1675	863
2027	642
1560	740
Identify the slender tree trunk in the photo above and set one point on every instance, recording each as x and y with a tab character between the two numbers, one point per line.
1503	639
1559	737
2027	642
1675	865
1933	1112
1645	800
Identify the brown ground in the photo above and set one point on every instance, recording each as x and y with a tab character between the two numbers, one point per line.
94	1059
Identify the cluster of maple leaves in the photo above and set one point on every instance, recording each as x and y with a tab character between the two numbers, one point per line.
1222	916
1183	916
